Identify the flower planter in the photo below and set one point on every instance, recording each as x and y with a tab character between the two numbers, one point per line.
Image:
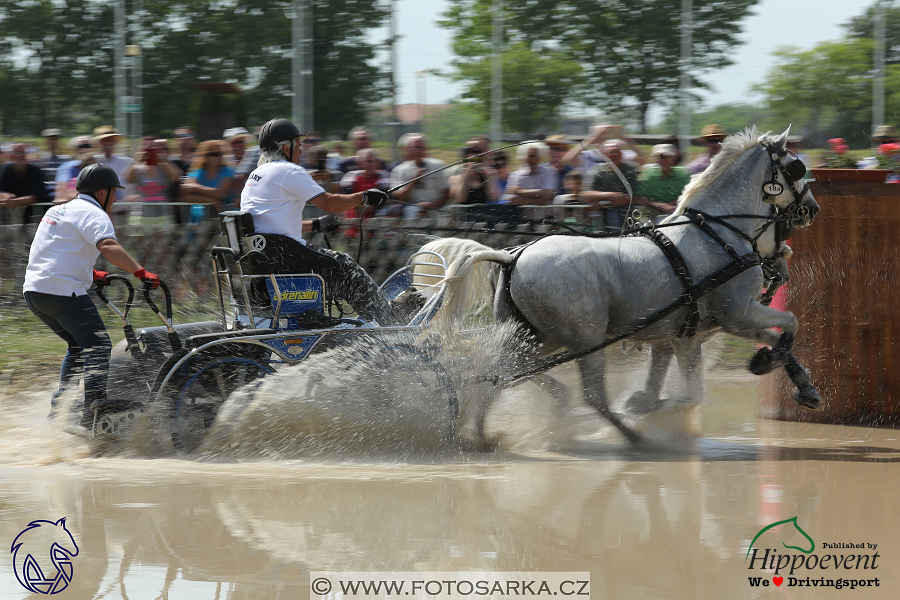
850	175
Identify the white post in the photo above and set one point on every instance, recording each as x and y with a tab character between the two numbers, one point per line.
497	74
878	59
684	125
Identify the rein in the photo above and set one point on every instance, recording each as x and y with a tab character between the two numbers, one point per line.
692	292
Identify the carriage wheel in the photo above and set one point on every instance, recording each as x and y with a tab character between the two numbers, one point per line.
194	399
406	379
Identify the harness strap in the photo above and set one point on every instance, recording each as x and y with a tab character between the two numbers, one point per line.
701	218
679	265
735	268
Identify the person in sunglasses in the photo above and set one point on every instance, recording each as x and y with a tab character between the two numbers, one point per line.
209	178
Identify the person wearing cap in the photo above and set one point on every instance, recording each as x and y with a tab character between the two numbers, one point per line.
276	193
602	186
662	183
712	137
67	243
236	138
50	160
558	147
21	184
107	137
885	134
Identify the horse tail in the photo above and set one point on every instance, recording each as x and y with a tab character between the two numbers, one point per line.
469	285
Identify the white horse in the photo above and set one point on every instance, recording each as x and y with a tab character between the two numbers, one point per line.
582	293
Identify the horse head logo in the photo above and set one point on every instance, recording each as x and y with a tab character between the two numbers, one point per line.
32	547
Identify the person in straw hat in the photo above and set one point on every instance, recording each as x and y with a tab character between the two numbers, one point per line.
107	137
712	137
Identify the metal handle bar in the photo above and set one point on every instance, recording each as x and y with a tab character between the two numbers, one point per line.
174	341
98	288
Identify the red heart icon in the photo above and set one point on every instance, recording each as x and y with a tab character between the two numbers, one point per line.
778	580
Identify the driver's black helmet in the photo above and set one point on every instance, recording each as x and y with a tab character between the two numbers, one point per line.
275	132
96	177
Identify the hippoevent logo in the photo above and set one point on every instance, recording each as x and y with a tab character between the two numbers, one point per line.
806	567
36	548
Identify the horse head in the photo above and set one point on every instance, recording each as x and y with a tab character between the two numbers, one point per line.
40	543
749	170
786	188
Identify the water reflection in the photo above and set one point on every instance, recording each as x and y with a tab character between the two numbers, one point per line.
643	523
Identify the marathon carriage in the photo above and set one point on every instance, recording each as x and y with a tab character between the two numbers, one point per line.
268	321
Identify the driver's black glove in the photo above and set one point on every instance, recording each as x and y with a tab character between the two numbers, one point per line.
374	198
326	223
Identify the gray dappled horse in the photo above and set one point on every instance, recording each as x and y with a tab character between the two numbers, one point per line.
671	287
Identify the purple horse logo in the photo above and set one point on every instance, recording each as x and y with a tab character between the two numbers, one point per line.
32	546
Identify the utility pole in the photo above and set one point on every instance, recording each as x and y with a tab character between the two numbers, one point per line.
497	74
684	126
133	52
878	59
119	66
420	93
394	121
301	65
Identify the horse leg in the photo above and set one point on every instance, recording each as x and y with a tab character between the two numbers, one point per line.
689	354
756	323
593	379
647	400
806	394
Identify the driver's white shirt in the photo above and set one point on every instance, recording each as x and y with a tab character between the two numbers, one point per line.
64	249
275	194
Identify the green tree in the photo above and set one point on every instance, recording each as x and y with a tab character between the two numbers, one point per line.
60	55
536	85
248	42
55	55
732	117
629	52
827	91
863	26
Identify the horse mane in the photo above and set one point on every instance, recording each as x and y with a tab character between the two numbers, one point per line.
733	148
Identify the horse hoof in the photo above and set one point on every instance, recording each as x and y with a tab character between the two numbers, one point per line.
761	363
641	403
808	397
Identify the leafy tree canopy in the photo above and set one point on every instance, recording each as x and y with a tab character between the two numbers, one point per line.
627	55
61	53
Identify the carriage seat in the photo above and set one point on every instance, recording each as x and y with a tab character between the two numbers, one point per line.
298	293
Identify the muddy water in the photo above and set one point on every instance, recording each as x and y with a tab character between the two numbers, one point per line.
563	494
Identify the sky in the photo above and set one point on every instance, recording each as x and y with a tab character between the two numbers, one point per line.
425	46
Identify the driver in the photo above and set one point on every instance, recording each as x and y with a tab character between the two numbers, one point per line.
60	270
276	193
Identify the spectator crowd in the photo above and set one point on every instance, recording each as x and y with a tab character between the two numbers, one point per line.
207	177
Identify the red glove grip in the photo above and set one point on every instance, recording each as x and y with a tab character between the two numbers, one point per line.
101	276
148	277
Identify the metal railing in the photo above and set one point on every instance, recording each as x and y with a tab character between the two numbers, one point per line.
180	252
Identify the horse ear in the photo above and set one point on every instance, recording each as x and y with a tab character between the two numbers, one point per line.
781	140
61	523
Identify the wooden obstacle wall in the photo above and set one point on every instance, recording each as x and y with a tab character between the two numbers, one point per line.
845	291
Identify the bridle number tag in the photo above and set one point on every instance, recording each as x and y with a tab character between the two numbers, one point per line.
772	188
